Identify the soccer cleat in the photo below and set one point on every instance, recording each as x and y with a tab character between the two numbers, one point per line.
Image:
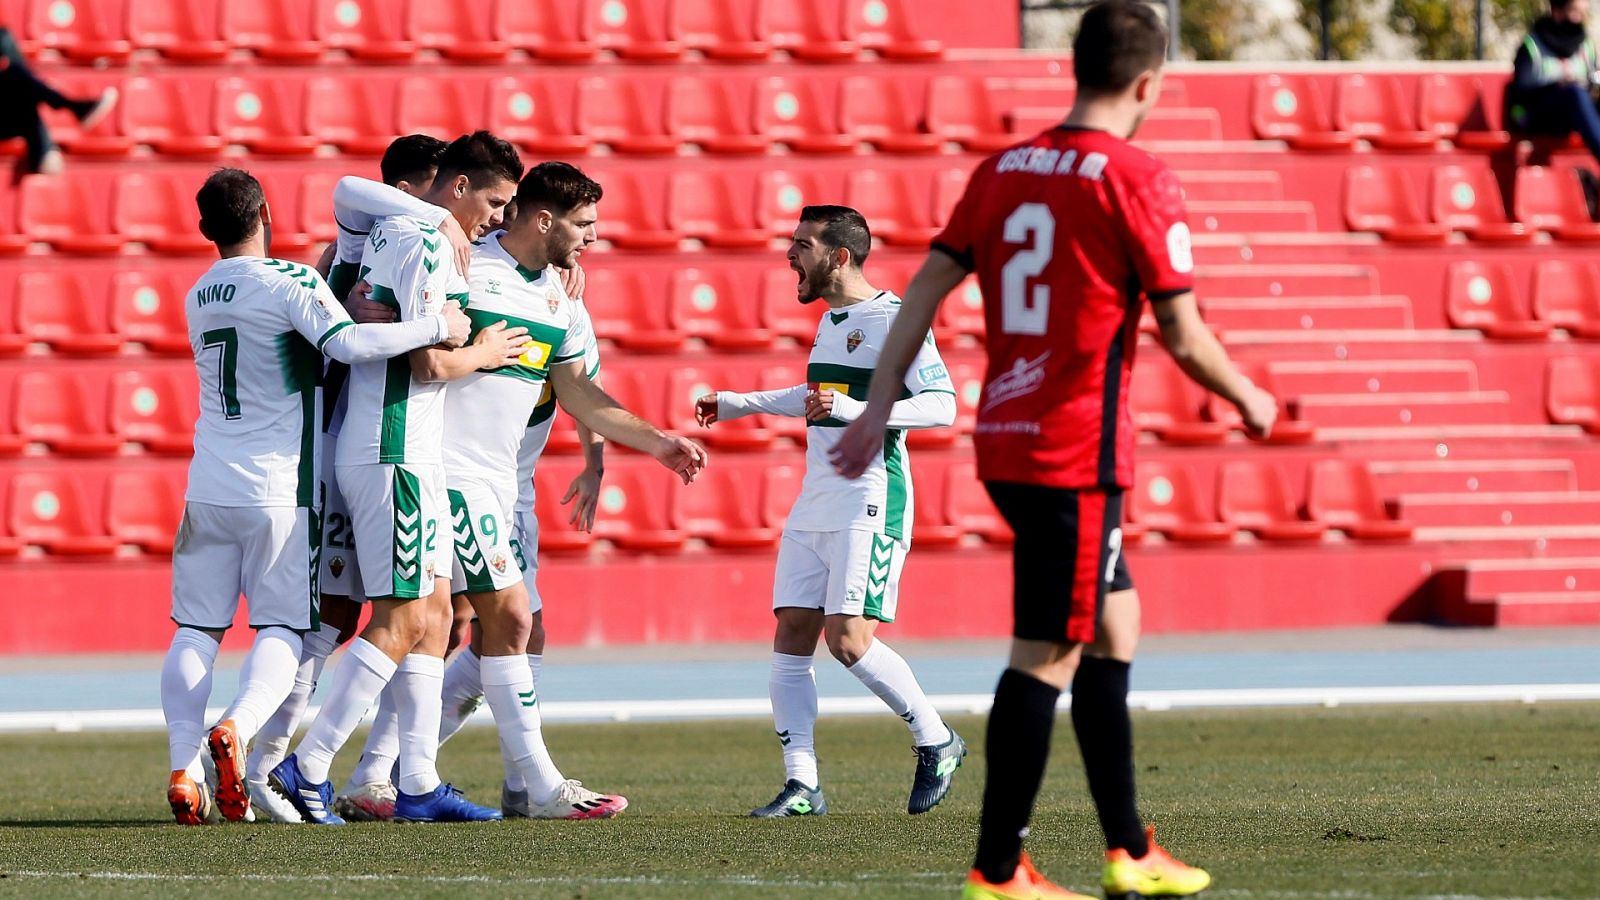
1026	884
572	801
1157	874
228	756
277	809
443	804
190	800
367	802
794	800
936	768
313	801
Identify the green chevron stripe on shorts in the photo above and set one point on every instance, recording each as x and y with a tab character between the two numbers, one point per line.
408	528
468	554
879	567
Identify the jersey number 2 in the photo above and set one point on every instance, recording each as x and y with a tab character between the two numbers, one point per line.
1024	310
227	341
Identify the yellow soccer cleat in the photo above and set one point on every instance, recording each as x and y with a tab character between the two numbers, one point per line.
1025	884
190	800
1156	875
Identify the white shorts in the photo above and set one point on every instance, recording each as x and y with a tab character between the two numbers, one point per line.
850	573
398	511
340	575
482	533
263	552
525	546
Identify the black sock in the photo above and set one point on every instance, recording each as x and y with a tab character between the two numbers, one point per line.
1105	737
1017	745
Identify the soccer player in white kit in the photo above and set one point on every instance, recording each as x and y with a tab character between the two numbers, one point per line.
845	541
390	471
258	328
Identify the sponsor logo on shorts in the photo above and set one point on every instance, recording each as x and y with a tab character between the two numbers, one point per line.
853	340
499	562
336	566
1024	377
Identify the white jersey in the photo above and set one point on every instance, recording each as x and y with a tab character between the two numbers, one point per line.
487	412
537	434
391	417
257	327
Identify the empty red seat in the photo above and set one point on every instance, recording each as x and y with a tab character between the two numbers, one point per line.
1163	401
185	31
897	204
1485	297
57	509
284	192
552	30
627	113
1466	198
65	411
1566	293
144	507
637	506
1460	109
631	310
12	341
371	31
931	525
106	138
886	113
635	212
641	390
1572	392
445	108
1256	497
357	115
281	31
889	28
721	306
1341	495
785	193
158	210
70	212
155	408
960	109
811	30
730	30
801	113
67	310
687	384
740	503
637	30
1291	108
960	314
967	374
459	32
1374	109
782	310
147	308
538	114
715	113
969	508
1165	499
556	532
720	209
82	30
1551	199
1384	200
266	114
173	114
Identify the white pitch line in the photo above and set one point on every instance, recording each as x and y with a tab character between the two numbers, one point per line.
759	707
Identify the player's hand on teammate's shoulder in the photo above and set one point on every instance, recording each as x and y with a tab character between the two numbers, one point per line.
572	281
585	489
1259	409
681	455
705	410
460	326
819	405
504	345
861	442
459	242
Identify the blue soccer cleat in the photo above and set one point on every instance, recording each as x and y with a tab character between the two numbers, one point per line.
443	804
314	801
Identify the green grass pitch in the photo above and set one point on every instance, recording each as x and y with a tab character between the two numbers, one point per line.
1440	801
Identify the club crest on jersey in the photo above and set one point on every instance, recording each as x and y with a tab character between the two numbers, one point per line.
336	566
853	340
499	562
552	299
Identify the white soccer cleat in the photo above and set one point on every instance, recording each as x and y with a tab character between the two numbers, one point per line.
572	801
372	802
277	809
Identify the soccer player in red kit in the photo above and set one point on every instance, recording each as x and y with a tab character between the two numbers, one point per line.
1068	233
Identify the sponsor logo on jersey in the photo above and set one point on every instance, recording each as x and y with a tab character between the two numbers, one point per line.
494	286
1024	377
834	386
336	566
499	562
537	355
552	299
932	373
853	340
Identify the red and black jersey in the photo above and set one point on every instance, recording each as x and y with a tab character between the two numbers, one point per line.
1067	233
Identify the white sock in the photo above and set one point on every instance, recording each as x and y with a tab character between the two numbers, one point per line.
265	680
382	751
793	687
536	663
272	741
508	685
887	674
463	693
418	684
514	779
185	688
356	685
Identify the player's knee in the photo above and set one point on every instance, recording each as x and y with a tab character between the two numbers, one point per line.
847	645
505	621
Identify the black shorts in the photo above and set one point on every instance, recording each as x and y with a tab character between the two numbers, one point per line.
1067	557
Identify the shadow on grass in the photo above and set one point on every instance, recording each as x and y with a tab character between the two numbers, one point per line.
80	823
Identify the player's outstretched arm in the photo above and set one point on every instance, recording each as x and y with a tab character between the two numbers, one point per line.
321	320
358	202
719	405
593	407
1201	356
495	346
929	409
863	439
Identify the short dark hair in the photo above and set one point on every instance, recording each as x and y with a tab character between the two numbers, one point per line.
411	157
1117	40
481	157
230	206
557	186
841	227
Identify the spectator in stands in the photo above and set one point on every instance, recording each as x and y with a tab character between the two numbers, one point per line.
21	93
1554	84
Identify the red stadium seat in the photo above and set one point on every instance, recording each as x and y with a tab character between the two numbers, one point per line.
1375	110
105	139
636	30
14	240
967	373
1163	401
782	310
897	204
158	210
1484	296
284	193
960	109
635	210
1572	392
721	306
538	114
1566	293
632	310
1291	108
12	341
641	390
156	408
886	113
282	31
66	310
552	30
810	30
266	114
71	212
949	185
686	384
52	509
459	32
173	114
1255	497
636	510
627	113
719	507
315	206
144	507
720	209
184	31
65	411
1341	495
1165	499
969	507
444	108
556	532
1286	430
728	31
1385	200
801	113
82	30
961	313
715	113
1460	110
886	26
371	31
147	308
356	115
931	522
10	545
1466	198
785	192
1552	200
